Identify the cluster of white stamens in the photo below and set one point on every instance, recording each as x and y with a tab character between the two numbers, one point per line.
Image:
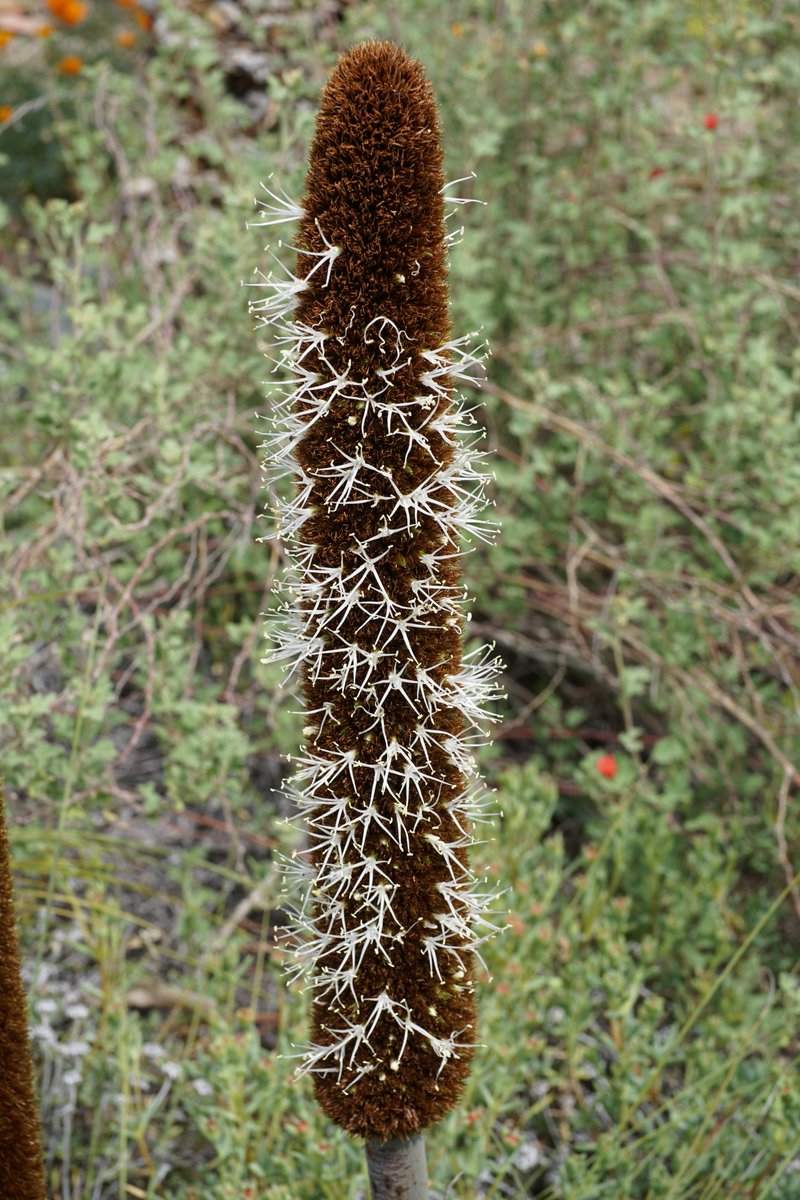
349	1040
336	791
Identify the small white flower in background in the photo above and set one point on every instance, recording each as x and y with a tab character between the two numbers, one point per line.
202	1087
172	1070
153	1050
43	1033
77	1012
75	1049
529	1156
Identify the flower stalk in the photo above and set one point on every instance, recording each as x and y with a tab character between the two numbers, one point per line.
387	482
397	1169
21	1170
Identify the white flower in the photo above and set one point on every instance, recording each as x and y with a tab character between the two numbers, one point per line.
44	1033
278	209
75	1049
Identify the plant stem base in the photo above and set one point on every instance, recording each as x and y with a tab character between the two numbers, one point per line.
397	1169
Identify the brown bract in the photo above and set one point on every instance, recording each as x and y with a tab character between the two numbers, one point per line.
21	1173
374	189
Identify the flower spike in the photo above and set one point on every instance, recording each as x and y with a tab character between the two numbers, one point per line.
387	483
21	1169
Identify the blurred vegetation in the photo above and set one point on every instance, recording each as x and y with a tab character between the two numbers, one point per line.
635	271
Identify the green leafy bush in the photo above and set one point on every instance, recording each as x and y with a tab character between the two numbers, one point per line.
634	270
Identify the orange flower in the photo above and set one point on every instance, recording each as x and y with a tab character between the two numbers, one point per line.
6	111
5	37
71	12
71	65
75	12
44	31
125	38
131	4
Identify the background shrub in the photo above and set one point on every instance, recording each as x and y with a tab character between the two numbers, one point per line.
635	272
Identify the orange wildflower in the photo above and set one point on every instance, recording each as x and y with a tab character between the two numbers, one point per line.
6	111
71	12
71	65
44	31
125	38
5	37
76	11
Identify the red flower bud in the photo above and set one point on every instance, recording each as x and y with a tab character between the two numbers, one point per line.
710	121
607	766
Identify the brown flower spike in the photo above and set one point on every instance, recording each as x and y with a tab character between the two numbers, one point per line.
21	1174
385	486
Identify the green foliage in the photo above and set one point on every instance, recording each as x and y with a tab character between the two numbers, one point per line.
635	274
